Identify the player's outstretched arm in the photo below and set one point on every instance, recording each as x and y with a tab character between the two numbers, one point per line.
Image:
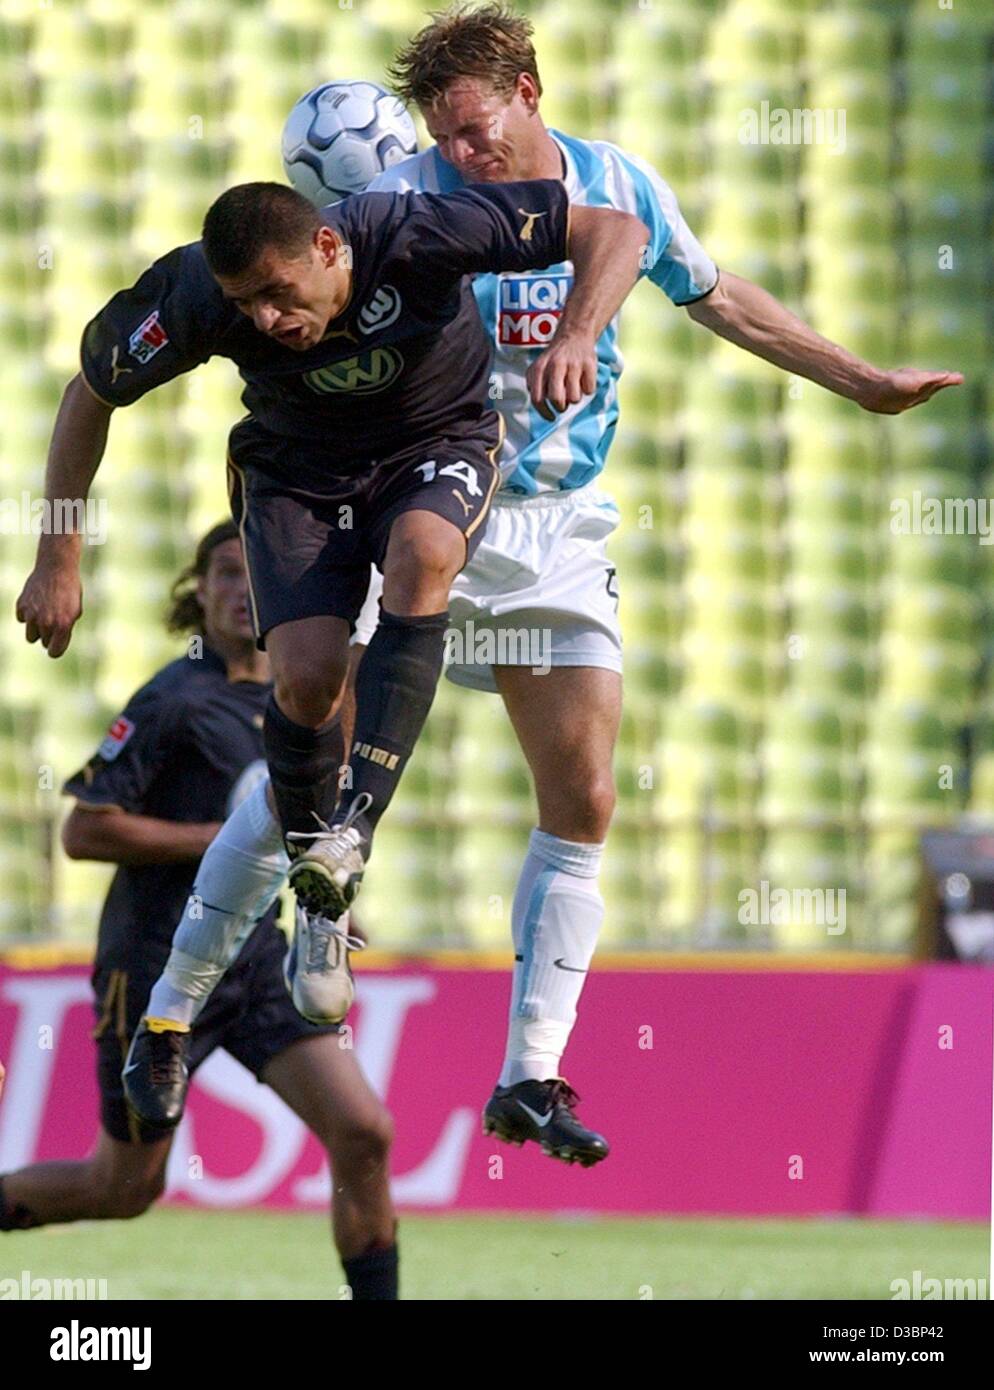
607	249
52	598
751	318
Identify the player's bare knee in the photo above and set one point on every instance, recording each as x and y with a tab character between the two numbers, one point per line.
310	693
581	811
425	571
361	1145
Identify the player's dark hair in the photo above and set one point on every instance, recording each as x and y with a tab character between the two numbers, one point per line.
185	613
487	41
255	217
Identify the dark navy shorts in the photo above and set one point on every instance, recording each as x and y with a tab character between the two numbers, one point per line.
310	535
249	1014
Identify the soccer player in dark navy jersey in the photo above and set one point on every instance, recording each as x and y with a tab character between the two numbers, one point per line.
370	439
186	748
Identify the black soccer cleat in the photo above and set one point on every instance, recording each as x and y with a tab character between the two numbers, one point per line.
543	1111
156	1076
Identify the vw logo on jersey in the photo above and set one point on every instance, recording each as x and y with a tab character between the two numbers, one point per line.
529	308
380	311
370	371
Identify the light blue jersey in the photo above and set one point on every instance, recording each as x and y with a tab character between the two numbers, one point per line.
521	311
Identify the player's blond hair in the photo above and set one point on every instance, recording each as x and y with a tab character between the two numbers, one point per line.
487	41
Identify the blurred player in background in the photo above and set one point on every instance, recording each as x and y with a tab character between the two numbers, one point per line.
187	747
542	563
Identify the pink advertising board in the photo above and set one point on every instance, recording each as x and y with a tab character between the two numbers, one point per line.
727	1091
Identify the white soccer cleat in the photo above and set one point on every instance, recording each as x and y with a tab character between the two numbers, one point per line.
326	875
316	969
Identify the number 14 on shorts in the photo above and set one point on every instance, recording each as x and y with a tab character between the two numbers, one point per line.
459	469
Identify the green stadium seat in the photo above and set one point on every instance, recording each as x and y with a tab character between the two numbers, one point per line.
17	36
867	97
829	669
981	799
855	276
81	96
865	163
834	554
833	613
940	158
926	559
907	790
815	867
944	41
18	102
849	40
938	671
704	872
629	884
88	161
941	216
893	879
660	42
831	499
753	40
803	787
488	859
951	273
721	614
814	723
949	338
936	614
851	216
724	496
868	330
491	775
918	446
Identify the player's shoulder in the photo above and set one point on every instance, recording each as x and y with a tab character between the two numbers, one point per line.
186	294
425	172
179	685
607	172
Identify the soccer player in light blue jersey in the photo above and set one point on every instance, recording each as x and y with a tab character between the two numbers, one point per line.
542	564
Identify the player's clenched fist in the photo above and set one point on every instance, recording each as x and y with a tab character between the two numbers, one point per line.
563	374
50	605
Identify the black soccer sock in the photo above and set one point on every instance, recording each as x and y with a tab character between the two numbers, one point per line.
374	1274
395	686
18	1218
303	768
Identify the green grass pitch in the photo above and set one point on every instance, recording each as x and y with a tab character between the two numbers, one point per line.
179	1253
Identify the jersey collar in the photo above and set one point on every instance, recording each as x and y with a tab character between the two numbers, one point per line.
571	179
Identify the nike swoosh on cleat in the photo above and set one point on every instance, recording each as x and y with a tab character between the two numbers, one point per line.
540	1120
572	968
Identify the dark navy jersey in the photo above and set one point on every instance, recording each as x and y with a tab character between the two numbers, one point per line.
177	752
408	358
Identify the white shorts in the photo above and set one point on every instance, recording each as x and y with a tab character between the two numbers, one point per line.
540	590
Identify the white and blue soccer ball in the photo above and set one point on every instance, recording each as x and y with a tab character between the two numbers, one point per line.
341	135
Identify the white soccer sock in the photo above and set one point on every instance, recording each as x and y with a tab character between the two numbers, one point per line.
556	917
238	880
